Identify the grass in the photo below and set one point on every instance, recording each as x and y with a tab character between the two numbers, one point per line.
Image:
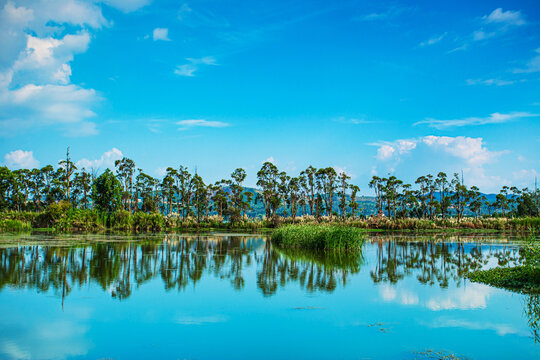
522	279
327	237
9	225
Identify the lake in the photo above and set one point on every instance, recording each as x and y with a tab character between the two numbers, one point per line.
230	296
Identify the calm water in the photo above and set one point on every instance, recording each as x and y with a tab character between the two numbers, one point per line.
237	297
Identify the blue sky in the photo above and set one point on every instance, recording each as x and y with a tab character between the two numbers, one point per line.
367	87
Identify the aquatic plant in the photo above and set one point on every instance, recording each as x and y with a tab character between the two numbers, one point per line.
319	236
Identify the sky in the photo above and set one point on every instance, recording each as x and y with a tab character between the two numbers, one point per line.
370	88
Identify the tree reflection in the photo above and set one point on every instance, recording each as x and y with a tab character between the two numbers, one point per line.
437	260
532	312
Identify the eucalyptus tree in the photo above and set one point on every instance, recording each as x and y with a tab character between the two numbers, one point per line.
476	199
184	184
83	186
459	195
513	200
68	168
47	173
144	188
353	205
268	181
343	187
125	169
6	183
376	185
422	192
502	201
36	187
106	193
431	185
199	196
240	199
219	198
21	188
283	190
307	181
443	184
168	191
326	181
293	189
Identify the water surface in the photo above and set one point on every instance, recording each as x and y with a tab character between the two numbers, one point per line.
237	297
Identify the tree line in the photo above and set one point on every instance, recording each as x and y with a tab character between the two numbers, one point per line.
322	192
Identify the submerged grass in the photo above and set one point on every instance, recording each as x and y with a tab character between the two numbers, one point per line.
328	237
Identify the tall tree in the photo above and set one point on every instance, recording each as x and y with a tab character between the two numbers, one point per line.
353	205
343	186
107	191
68	168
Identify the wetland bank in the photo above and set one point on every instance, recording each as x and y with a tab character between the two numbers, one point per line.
400	296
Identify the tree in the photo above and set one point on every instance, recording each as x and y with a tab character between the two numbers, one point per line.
352	202
442	182
326	182
476	199
241	200
293	191
307	181
83	184
343	185
107	192
68	169
125	169
268	181
376	185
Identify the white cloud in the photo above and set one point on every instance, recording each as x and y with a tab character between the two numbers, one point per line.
509	17
199	320
34	106
525	177
270	160
470	149
495	118
19	159
127	5
433	40
188	124
403	296
185	70
501	329
105	161
354	121
496	82
385	152
391	12
479	35
533	65
161	34
389	150
190	68
474	296
35	69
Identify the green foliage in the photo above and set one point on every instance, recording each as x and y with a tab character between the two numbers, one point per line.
107	192
523	279
319	237
9	225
